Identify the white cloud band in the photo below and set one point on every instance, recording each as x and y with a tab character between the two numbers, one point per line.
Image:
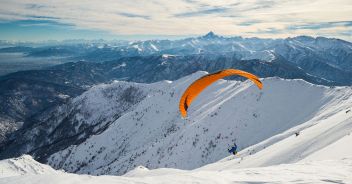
265	18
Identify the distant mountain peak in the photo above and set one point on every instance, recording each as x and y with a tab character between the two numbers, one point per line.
210	35
304	38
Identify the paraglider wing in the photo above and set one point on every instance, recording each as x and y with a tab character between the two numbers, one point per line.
199	85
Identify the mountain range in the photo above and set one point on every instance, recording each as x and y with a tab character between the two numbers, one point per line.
53	113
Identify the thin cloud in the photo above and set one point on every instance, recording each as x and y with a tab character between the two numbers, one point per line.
34	6
42	22
321	25
275	18
249	23
131	15
217	10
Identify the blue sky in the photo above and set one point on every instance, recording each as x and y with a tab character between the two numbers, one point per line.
46	30
34	30
36	20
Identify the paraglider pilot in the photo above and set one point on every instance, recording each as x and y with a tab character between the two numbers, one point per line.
233	150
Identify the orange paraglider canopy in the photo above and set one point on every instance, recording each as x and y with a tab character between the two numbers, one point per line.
199	85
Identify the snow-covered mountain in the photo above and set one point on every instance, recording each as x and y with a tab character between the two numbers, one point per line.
335	53
154	135
151	132
113	128
26	94
142	126
71	123
320	56
320	150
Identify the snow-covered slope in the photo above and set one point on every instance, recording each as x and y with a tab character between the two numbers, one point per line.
263	124
24	165
154	135
324	137
72	123
329	171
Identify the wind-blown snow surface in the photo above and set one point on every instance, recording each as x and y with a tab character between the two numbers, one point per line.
154	135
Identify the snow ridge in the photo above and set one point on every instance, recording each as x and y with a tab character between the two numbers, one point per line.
24	165
154	135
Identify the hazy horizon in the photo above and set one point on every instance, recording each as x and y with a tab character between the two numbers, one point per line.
151	37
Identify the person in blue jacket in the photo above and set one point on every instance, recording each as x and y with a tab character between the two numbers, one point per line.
233	150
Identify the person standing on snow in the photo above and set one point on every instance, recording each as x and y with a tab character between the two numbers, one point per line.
233	150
